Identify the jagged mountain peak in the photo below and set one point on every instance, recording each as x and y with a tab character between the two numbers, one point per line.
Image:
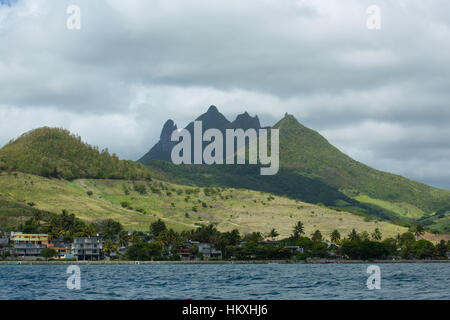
245	121
168	128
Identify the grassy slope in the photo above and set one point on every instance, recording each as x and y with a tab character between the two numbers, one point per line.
401	208
306	151
231	208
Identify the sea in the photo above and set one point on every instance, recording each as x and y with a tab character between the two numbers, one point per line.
421	281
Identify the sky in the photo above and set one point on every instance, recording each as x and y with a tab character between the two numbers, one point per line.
380	95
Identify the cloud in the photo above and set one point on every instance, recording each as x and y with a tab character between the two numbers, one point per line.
380	96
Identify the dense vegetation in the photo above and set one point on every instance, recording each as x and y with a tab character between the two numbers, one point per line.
53	152
67	226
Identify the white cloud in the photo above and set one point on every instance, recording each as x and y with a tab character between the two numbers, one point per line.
381	96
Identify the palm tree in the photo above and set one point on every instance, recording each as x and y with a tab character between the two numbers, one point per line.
273	234
398	238
109	247
335	236
376	235
123	238
418	231
316	236
353	236
298	230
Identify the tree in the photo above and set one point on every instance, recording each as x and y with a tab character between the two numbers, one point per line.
376	235
123	238
442	248
298	230
423	249
253	237
273	234
406	238
170	237
110	228
364	249
206	234
319	249
143	251
48	253
364	236
232	238
109	247
157	227
391	246
316	236
419	231
353	236
335	236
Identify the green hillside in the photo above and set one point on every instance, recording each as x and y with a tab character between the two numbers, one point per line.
314	171
54	152
137	204
309	154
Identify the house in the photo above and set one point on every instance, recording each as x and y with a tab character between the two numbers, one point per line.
4	242
28	245
294	249
62	248
269	243
208	250
185	255
88	248
36	239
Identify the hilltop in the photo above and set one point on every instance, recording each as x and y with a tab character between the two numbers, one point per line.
55	152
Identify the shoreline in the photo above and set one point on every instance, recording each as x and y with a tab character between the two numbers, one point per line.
215	262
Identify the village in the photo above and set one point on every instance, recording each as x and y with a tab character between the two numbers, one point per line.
206	243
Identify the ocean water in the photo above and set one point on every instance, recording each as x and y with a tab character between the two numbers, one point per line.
269	281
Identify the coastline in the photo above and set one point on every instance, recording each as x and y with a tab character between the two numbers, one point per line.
215	262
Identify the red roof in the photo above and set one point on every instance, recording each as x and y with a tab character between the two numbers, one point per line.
185	253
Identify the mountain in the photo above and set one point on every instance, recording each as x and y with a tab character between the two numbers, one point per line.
162	150
210	119
245	121
308	153
313	170
54	152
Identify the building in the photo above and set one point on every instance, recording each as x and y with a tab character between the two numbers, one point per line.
269	243
294	249
184	256
4	242
62	249
36	239
208	251
88	248
28	245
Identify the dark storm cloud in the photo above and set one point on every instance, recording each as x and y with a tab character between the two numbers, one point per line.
380	96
